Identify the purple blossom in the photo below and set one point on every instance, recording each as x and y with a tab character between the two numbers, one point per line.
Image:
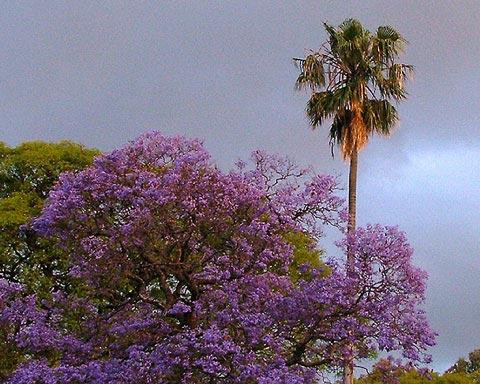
186	276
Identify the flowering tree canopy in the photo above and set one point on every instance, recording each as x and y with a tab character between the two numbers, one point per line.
187	274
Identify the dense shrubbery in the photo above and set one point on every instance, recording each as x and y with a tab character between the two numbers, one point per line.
183	273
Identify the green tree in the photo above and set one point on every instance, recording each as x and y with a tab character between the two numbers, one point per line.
354	78
474	358
305	256
461	366
385	372
470	366
27	174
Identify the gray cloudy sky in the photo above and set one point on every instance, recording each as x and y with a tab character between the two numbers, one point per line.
101	73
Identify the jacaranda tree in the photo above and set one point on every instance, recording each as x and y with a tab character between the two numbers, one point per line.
187	276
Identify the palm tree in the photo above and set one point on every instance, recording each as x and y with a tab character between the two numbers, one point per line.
354	78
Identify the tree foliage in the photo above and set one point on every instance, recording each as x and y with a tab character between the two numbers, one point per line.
389	371
354	78
469	367
187	276
27	173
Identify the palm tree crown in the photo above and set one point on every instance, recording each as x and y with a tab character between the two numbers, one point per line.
353	79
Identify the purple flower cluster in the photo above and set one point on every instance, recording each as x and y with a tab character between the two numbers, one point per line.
186	276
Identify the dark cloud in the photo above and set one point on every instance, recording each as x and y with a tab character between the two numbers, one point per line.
103	72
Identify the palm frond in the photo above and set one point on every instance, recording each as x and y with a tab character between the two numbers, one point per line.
351	29
312	72
353	78
380	116
341	122
332	37
324	105
387	44
391	80
321	106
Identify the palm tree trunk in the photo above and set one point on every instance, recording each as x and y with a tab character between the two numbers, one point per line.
352	221
352	206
